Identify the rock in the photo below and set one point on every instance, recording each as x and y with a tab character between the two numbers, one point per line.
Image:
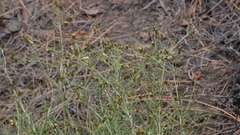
13	26
144	36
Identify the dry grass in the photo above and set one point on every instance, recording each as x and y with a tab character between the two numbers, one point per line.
209	66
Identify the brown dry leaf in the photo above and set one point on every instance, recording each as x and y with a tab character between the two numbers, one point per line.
81	32
199	75
184	22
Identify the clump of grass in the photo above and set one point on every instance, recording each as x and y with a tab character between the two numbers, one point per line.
104	88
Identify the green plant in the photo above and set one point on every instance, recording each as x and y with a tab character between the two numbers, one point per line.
104	88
